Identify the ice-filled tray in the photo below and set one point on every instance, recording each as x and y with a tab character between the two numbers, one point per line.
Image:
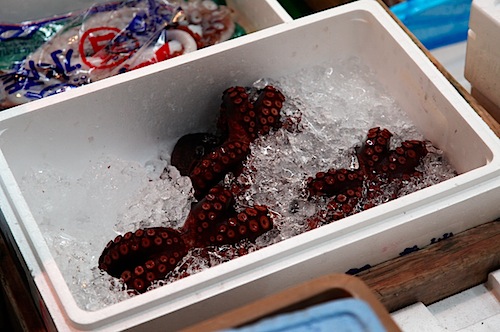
139	115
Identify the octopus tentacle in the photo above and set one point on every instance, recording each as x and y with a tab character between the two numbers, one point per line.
380	170
190	149
240	119
401	162
214	221
213	166
239	114
143	256
267	110
340	206
334	182
375	148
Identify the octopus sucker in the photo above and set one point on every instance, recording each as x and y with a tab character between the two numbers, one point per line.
380	174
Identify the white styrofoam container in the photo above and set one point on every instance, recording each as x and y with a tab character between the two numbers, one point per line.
482	61
133	115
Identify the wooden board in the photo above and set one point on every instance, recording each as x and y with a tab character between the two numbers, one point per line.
439	270
17	307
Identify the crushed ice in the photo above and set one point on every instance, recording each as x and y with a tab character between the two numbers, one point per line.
329	111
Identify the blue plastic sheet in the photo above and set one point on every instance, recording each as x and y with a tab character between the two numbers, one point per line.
435	23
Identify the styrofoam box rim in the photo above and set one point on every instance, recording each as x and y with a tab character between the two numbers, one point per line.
143	308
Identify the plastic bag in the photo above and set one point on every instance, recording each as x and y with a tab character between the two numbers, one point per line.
62	53
435	23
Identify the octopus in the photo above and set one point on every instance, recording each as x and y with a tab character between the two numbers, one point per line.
142	257
380	170
214	22
148	255
240	122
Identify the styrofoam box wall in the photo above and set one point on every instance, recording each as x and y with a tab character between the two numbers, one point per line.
135	114
482	62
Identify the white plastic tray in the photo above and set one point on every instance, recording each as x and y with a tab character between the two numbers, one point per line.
127	116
